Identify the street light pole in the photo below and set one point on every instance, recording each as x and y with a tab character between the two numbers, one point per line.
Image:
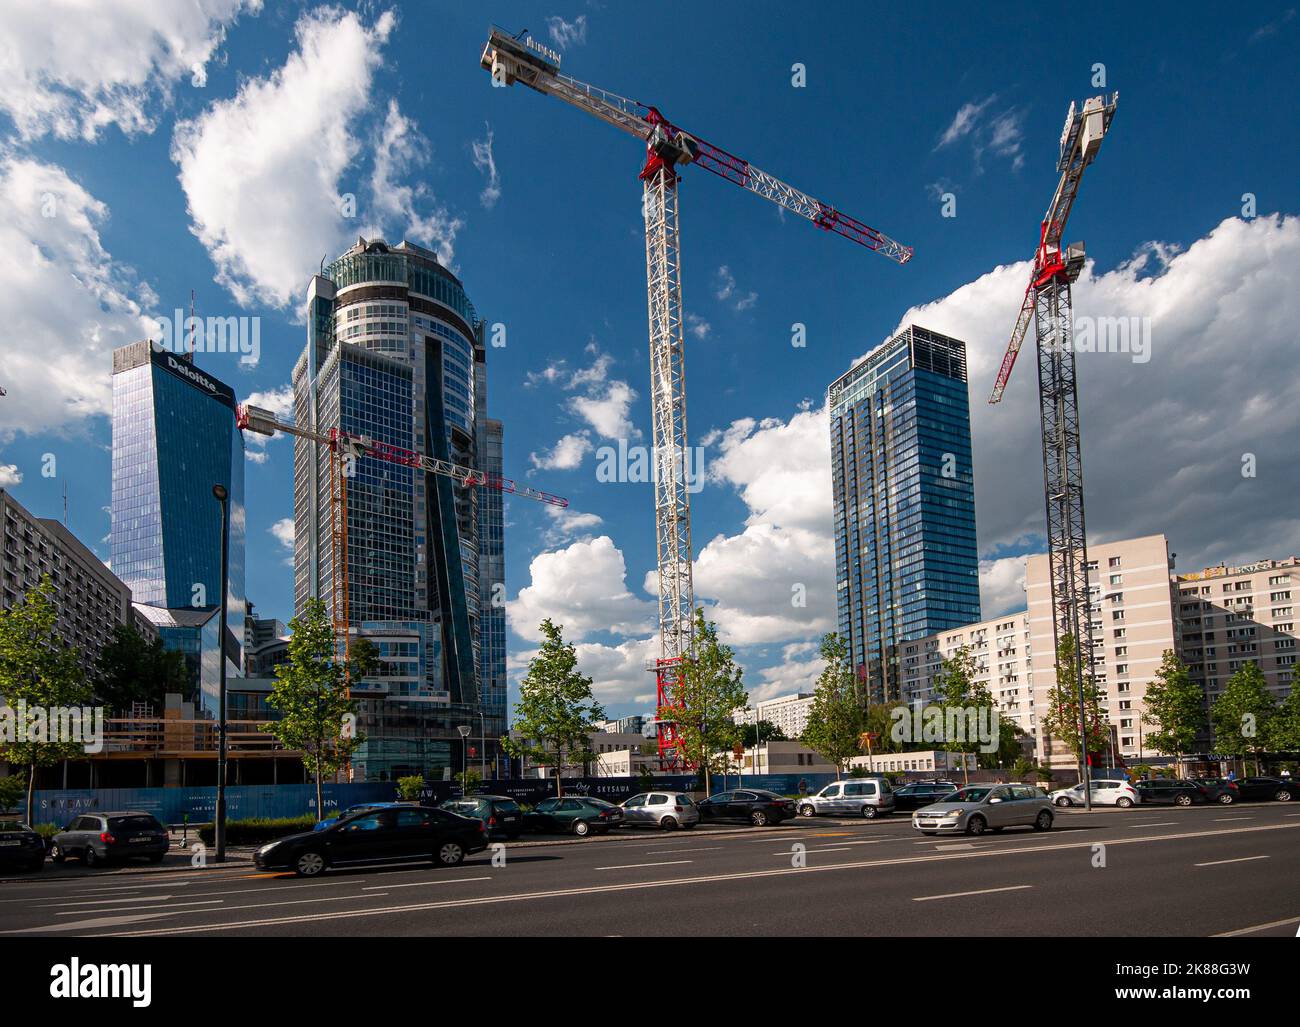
221	495
482	744
464	731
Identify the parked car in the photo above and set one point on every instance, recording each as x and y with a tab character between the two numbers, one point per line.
666	810
1105	792
351	811
751	805
1172	792
21	846
1220	790
405	833
921	793
870	798
97	838
576	814
500	813
1268	788
979	808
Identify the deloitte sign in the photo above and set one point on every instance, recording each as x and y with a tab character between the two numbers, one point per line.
186	371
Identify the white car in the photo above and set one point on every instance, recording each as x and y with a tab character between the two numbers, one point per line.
1104	793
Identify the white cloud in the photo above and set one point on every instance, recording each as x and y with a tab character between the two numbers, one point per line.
1163	441
69	303
607	410
283	532
1002	586
726	290
261	171
278	402
582	587
485	161
697	326
73	68
801	664
399	149
618	672
568	521
10	475
565	455
785	556
565	34
1000	133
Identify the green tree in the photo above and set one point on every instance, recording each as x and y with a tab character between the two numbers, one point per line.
12	788
556	711
877	735
763	731
469	779
132	668
835	722
1284	735
1011	746
1243	714
1062	717
707	696
317	714
970	701
410	787
1175	707
38	669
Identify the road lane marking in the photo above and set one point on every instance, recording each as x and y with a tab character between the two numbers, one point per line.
139	909
670	852
1161	823
1225	820
963	894
672	882
638	866
425	884
1220	862
1258	927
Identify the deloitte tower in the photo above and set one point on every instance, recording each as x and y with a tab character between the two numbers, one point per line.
395	352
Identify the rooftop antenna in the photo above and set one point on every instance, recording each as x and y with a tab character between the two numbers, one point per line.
193	325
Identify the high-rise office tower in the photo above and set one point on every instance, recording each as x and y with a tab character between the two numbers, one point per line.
905	550
174	438
395	352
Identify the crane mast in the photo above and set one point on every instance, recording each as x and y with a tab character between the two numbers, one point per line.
1049	302
511	60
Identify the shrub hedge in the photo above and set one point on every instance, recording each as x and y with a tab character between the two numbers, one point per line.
257	830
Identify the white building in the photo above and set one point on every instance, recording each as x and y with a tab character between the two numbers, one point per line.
915	762
789	713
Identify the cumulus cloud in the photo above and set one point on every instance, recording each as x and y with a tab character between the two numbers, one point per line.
280	403
10	475
801	664
261	171
583	587
72	68
1164	442
69	305
1002	586
565	455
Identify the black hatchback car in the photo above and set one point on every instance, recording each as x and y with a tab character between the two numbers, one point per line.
396	834
1171	792
501	814
20	846
921	793
749	805
99	838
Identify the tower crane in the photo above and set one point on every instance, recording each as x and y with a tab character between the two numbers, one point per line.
1048	302
512	59
345	449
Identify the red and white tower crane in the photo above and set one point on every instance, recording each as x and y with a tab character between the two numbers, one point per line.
511	59
345	449
1048	301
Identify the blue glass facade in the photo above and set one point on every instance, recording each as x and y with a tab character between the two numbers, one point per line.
906	559
174	438
395	352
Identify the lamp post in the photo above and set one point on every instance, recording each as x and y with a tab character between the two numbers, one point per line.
221	495
482	744
464	730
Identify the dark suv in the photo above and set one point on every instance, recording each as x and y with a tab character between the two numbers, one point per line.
1172	792
99	838
500	813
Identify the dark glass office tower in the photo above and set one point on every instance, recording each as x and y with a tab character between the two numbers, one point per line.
395	352
174	437
905	551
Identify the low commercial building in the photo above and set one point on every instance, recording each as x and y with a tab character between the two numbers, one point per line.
927	761
784	758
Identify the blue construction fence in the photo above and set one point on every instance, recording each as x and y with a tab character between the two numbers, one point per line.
197	805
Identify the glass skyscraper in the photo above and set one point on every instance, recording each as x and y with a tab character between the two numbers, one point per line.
395	352
174	437
905	550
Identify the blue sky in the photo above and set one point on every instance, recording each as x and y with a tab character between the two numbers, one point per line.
214	163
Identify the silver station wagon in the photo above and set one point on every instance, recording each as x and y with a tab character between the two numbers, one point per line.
979	808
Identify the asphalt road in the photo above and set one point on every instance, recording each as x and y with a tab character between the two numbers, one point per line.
1167	871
